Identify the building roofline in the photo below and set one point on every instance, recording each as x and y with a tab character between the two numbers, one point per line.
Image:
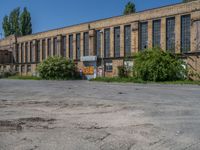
89	22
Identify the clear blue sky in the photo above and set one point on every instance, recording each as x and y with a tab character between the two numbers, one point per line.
51	14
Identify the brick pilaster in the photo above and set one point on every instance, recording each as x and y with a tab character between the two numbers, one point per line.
59	45
134	37
81	45
178	34
67	47
92	42
112	42
150	27
163	34
122	41
74	46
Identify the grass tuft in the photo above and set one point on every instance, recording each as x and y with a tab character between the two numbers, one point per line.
136	80
17	77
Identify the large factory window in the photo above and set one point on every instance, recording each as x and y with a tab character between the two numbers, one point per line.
49	47
156	33
43	50
143	35
170	41
78	45
107	43
127	40
98	43
117	41
185	33
64	46
71	46
86	44
38	51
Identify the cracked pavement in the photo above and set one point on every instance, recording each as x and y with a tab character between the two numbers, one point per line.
74	115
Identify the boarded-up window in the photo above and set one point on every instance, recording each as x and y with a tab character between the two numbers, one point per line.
170	41
28	68
23	69
108	66
107	43
117	41
17	68
143	35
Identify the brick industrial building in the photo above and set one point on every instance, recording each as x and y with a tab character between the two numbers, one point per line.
103	44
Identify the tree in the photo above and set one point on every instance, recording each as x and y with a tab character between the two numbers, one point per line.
14	21
25	22
6	26
129	8
17	24
185	1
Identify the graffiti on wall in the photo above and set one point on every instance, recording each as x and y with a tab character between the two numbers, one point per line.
88	70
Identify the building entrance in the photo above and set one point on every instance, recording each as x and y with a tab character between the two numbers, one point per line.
89	67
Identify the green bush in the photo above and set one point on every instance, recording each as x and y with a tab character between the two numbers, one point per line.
57	68
157	65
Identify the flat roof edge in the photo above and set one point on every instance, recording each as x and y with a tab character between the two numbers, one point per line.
89	22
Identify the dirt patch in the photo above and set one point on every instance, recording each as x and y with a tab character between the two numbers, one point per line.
46	103
22	123
93	126
97	137
6	126
35	119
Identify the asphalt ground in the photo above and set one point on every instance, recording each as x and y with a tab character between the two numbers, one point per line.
83	115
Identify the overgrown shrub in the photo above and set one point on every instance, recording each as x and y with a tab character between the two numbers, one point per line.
123	71
57	68
157	65
194	75
7	73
